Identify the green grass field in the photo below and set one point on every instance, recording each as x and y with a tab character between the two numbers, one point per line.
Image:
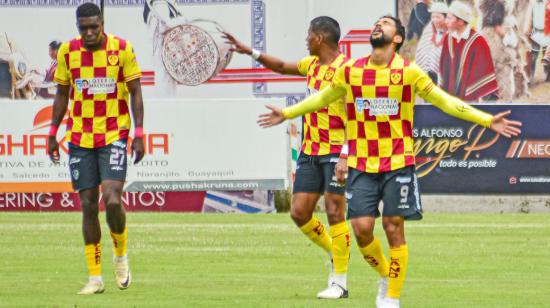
193	260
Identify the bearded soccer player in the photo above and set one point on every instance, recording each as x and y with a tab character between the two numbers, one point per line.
97	132
324	137
380	92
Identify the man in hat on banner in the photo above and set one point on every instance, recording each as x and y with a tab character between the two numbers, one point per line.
466	67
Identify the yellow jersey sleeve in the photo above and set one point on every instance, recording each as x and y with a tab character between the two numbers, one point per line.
315	102
303	65
130	67
339	79
61	75
449	104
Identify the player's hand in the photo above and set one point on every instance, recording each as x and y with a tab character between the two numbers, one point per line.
273	118
505	127
138	150
341	170
53	149
238	46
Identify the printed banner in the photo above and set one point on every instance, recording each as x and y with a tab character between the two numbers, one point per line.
202	201
192	146
453	156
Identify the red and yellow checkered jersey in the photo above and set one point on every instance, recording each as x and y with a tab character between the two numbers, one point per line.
380	103
324	130
99	112
380	106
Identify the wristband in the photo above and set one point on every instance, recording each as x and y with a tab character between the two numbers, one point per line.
255	54
53	131
345	149
138	132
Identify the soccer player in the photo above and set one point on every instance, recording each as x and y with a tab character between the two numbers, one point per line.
97	132
324	137
380	93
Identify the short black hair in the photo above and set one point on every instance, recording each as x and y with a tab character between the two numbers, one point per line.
326	25
55	45
88	9
400	29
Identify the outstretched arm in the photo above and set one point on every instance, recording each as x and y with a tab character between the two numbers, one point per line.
270	62
459	109
310	104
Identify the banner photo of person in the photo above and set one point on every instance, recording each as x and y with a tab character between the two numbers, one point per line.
481	50
453	156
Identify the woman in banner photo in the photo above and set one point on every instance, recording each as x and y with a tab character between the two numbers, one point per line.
97	133
429	47
380	91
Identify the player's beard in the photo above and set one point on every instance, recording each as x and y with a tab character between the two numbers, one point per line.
380	41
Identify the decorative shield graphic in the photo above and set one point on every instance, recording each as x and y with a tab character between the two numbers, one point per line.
194	53
395	78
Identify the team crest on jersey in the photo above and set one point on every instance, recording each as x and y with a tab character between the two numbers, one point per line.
329	74
113	59
396	78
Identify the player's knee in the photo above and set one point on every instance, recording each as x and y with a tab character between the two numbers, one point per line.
113	204
363	233
335	211
299	216
390	227
394	232
335	215
90	209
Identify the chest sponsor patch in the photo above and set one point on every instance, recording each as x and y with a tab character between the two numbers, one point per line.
377	106
96	85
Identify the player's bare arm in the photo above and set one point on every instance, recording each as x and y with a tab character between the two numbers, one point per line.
60	103
134	87
270	62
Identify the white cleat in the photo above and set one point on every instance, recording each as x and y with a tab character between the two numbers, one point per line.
389	302
123	276
382	291
335	291
92	287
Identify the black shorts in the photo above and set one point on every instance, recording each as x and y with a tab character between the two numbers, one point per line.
89	167
398	190
316	174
